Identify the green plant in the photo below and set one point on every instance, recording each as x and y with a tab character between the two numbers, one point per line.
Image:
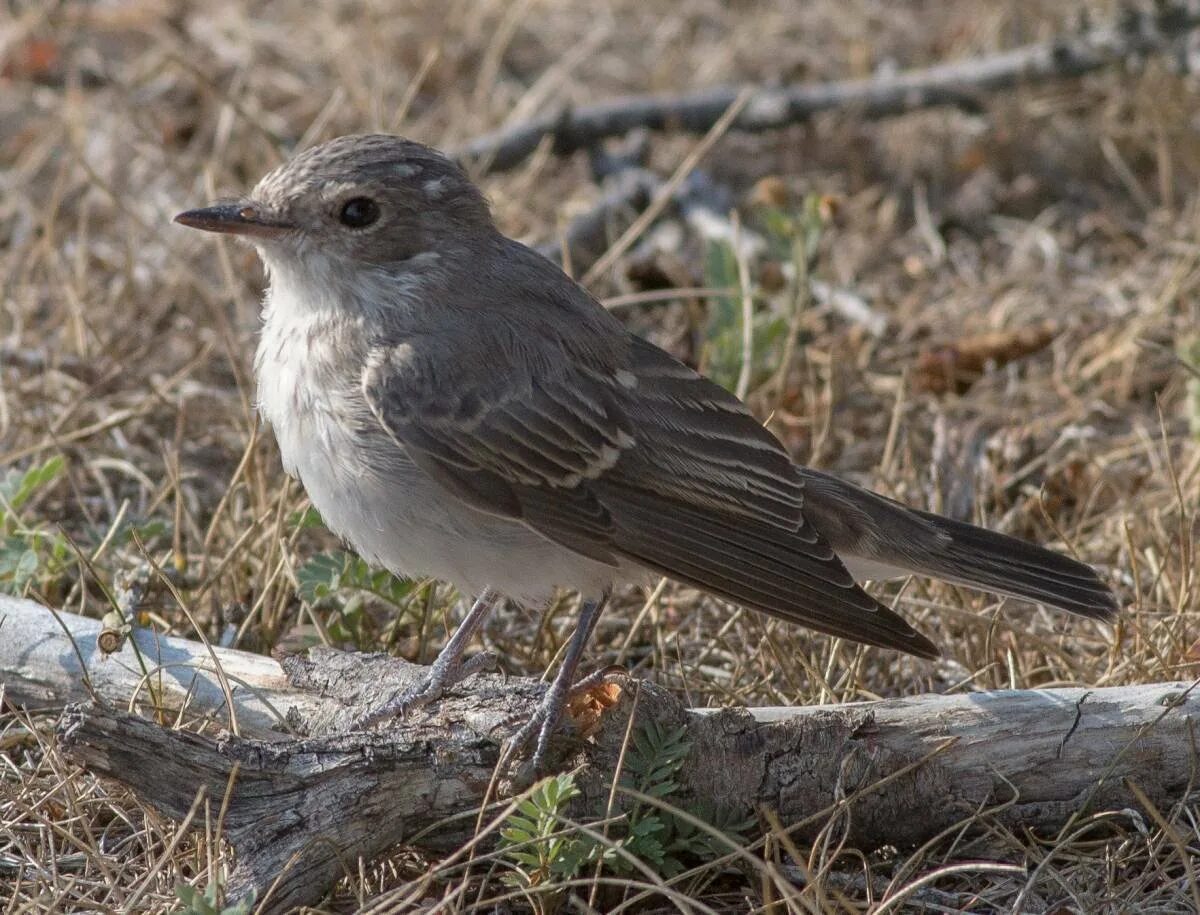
791	236
307	518
1189	355
346	582
206	903
30	555
651	766
795	234
535	844
724	351
655	834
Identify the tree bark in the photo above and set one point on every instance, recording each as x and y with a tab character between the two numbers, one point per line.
303	809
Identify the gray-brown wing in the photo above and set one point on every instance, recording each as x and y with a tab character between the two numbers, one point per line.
648	461
711	498
518	446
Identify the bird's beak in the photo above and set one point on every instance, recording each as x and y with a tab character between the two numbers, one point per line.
242	218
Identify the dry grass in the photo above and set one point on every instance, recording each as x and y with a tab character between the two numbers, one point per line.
125	346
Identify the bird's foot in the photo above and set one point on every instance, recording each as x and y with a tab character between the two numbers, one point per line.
545	721
442	675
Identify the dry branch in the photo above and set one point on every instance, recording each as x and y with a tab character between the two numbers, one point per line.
955	83
589	235
303	810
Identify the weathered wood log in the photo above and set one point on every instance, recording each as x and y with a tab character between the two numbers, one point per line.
303	810
51	658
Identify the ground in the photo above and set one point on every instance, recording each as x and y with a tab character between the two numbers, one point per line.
1032	258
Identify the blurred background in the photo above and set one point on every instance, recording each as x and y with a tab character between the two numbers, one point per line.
985	307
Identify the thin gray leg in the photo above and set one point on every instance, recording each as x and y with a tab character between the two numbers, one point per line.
550	712
447	669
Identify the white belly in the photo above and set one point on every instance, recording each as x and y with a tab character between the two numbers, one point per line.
411	526
387	509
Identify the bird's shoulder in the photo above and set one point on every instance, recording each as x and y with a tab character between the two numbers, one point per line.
507	326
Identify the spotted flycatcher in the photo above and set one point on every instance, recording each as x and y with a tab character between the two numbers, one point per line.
458	407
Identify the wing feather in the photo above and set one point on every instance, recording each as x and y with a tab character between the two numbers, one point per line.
643	461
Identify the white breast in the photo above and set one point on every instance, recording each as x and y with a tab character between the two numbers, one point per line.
369	493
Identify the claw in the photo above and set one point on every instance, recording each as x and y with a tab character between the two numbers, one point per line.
448	669
429	688
604	675
542	723
549	713
477	664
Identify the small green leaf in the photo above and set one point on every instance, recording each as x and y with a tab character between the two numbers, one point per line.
320	576
669	866
303	520
36	478
528	825
1189	353
647	826
26	568
530	808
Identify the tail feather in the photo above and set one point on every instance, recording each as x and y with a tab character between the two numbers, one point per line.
884	535
979	558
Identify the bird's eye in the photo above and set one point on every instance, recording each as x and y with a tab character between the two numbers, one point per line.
359	212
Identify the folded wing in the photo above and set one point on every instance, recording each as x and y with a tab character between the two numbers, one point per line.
639	459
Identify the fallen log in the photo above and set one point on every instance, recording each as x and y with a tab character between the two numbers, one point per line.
49	658
303	809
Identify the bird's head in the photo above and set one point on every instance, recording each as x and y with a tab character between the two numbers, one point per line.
353	208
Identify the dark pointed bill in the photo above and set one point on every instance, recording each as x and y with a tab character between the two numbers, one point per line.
233	219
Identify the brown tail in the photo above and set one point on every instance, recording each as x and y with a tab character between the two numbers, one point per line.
866	526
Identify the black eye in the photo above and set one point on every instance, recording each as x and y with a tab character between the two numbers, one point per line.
359	212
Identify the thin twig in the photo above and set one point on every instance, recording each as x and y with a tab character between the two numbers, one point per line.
957	83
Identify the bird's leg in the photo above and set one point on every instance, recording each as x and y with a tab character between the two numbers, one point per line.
550	712
447	669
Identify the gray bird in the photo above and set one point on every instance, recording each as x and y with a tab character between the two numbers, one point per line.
457	407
